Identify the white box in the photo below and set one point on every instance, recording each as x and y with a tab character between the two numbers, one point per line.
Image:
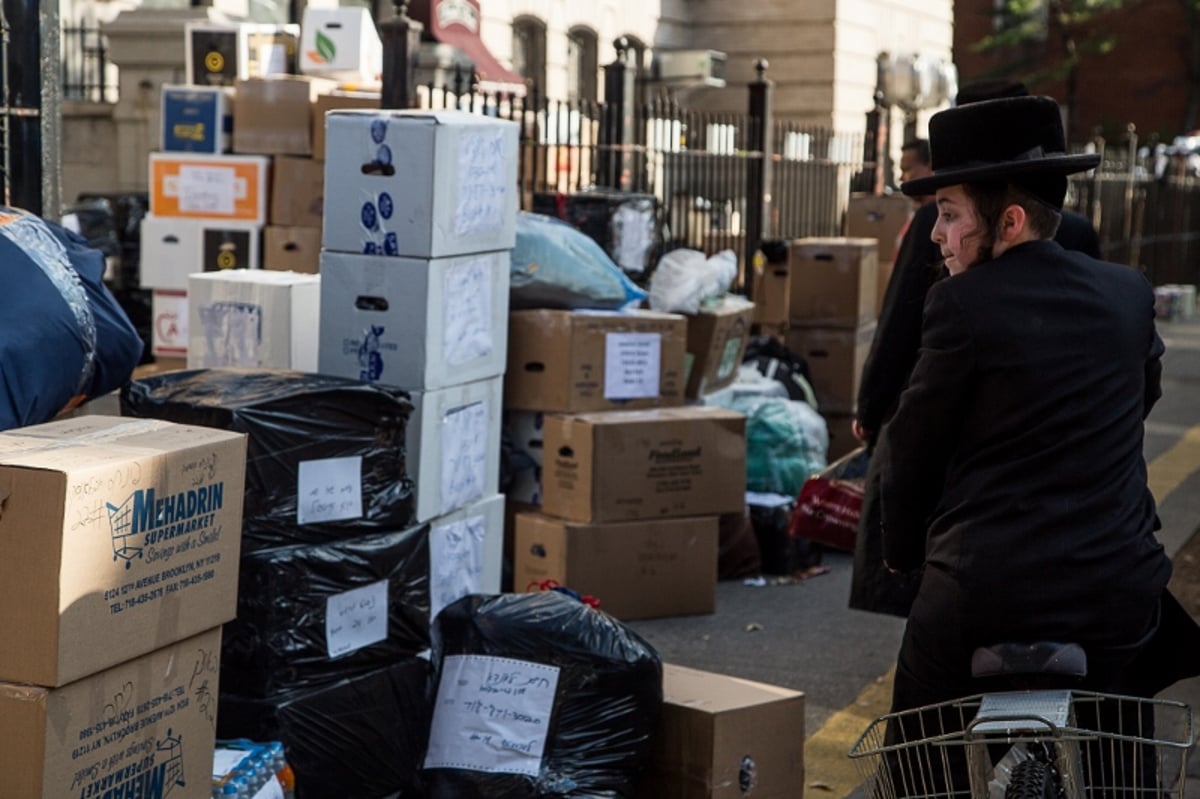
521	432
453	445
416	323
173	248
422	184
466	548
253	318
220	54
340	43
169	325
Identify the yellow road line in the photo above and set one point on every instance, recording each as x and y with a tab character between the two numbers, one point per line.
829	772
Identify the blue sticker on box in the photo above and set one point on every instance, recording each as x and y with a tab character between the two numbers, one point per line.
385	205
370	360
378	130
383	155
391	245
368	216
370	248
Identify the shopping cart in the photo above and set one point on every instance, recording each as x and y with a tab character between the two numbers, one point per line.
1029	745
124	541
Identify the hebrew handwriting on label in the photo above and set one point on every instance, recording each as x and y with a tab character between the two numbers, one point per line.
356	618
329	490
455	561
492	714
464	455
467	327
483	190
207	190
632	364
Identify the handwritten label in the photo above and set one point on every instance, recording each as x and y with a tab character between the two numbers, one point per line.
329	490
482	183
455	561
206	189
357	618
635	231
464	455
632	362
232	333
491	714
467	326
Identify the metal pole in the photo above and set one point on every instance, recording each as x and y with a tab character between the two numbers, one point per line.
759	171
33	107
401	44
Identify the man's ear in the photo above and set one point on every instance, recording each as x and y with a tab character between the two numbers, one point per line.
1013	221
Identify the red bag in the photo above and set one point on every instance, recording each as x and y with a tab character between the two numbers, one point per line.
830	503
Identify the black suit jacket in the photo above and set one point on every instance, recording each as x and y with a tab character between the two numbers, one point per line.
1014	460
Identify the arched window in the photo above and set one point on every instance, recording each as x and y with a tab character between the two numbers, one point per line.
529	51
582	64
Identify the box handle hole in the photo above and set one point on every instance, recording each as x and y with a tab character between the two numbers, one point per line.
367	303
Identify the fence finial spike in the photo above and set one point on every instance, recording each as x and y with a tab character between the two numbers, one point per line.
621	44
760	66
401	7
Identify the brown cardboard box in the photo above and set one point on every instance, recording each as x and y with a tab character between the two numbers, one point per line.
835	359
638	570
716	341
772	293
722	737
883	218
120	536
143	728
297	192
330	101
292	249
654	464
273	115
834	282
572	361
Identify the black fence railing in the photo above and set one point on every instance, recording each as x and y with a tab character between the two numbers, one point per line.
86	72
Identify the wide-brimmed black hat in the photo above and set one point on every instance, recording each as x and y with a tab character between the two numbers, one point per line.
1003	139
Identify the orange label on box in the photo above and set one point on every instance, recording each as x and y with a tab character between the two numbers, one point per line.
210	188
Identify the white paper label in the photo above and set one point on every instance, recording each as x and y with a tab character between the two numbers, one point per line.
357	618
329	490
464	455
271	790
492	715
467	327
632	362
455	561
272	60
226	760
482	185
636	229
206	189
232	333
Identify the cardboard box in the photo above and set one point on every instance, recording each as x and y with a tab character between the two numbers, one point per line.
273	115
883	218
169	322
333	100
638	570
415	323
722	737
453	446
226	187
222	54
120	536
145	728
716	342
835	359
522	444
340	43
196	119
834	282
419	184
772	293
253	318
624	465
297	192
573	361
173	249
465	552
292	249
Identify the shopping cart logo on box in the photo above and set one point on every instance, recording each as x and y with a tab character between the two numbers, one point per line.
152	776
144	519
124	537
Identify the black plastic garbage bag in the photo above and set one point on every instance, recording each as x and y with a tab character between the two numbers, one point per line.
293	419
555	698
303	612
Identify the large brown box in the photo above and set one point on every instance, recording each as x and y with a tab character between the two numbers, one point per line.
119	536
638	570
723	737
882	217
297	192
834	282
329	102
835	358
654	464
292	249
146	728
273	115
772	292
716	342
570	361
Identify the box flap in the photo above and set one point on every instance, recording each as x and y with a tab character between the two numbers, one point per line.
706	692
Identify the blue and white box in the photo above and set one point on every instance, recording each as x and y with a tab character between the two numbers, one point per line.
415	323
419	184
196	119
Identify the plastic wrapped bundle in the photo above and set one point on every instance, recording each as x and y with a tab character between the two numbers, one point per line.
321	612
539	695
358	738
325	458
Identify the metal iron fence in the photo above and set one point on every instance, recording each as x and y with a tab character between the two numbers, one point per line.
85	65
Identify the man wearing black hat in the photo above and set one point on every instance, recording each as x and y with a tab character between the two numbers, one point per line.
1013	468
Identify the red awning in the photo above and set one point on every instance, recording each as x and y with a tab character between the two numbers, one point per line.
456	23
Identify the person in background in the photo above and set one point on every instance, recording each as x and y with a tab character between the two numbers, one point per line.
918	265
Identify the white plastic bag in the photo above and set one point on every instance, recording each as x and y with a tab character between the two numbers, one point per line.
684	279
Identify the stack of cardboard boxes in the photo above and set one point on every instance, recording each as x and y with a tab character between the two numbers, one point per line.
121	544
832	322
882	217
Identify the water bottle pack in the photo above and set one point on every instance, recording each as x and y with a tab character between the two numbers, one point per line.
244	769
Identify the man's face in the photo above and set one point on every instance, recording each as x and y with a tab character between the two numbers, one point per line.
912	167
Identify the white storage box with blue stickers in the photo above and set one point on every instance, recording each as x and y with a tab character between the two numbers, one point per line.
419	184
415	323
